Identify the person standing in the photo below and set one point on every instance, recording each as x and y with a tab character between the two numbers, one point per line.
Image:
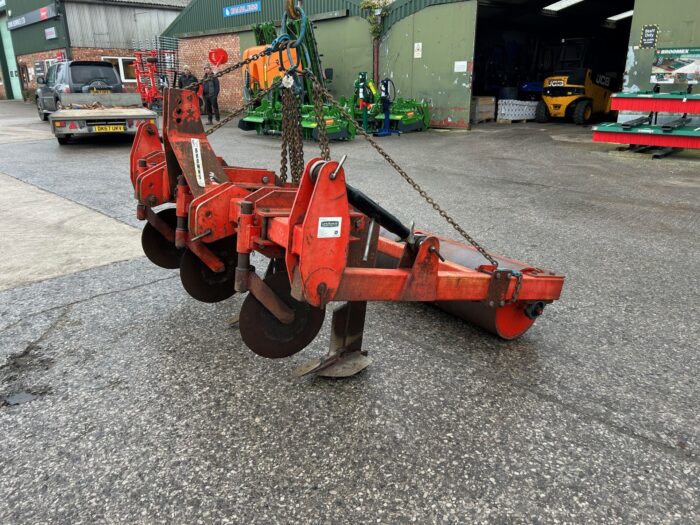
187	80
211	89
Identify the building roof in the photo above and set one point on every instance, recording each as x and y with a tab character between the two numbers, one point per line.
203	17
176	4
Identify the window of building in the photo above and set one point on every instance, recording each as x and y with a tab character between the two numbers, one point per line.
126	67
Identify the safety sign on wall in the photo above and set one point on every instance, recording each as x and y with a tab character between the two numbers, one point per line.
650	35
418	50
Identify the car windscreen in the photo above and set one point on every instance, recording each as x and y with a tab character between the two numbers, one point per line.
87	73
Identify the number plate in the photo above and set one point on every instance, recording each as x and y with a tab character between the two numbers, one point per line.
109	129
100	91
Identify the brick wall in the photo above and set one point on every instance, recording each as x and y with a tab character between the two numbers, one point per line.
96	53
194	52
79	53
28	60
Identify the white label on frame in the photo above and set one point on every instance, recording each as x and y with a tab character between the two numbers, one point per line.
329	227
198	164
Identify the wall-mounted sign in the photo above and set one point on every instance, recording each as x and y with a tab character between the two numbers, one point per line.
32	17
40	68
676	66
418	50
461	66
650	36
50	33
243	9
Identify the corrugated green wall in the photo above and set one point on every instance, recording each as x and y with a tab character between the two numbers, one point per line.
206	16
202	17
679	26
31	39
346	46
447	34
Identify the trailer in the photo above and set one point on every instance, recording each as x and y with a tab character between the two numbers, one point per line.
89	114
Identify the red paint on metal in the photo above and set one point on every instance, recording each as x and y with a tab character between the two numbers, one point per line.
668	140
309	225
656	105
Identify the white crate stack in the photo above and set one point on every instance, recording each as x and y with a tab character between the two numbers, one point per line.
516	110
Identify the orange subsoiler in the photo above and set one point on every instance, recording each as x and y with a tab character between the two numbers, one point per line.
325	242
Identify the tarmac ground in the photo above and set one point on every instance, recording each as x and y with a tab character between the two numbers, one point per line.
122	400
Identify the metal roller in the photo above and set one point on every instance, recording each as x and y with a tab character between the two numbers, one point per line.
507	322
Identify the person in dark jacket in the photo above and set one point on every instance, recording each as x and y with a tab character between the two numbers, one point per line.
187	80
211	88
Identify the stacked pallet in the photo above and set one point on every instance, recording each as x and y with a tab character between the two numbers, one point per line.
483	109
510	111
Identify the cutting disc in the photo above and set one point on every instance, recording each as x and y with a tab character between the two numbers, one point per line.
159	250
265	335
202	283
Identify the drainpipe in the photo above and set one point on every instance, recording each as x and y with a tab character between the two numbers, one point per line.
375	60
375	47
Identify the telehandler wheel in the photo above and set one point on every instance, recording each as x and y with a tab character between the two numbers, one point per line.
542	112
583	112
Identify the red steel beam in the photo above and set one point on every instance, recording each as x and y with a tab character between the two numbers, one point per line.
668	141
643	104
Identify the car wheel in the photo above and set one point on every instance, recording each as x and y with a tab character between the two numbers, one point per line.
59	105
42	115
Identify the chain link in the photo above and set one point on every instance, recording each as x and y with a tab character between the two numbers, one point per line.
292	138
252	102
518	285
319	113
318	88
280	46
291	146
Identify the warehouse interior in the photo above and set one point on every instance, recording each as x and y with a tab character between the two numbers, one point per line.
519	42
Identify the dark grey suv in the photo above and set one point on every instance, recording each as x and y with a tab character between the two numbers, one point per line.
77	76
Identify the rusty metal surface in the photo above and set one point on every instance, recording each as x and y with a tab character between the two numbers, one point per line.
267	297
199	280
158	239
195	157
265	335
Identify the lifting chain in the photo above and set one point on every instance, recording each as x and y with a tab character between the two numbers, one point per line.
297	159
319	113
194	86
292	139
324	93
252	102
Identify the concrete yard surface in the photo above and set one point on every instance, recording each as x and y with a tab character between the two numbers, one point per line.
45	236
125	401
